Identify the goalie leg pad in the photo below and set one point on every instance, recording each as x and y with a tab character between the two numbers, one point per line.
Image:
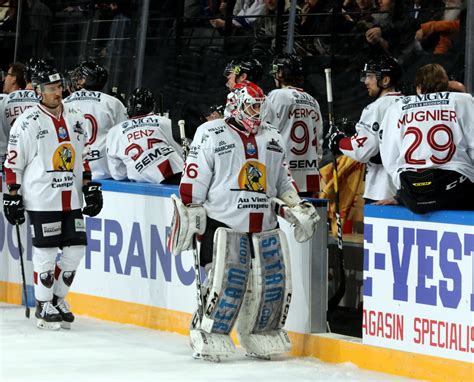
223	295
230	271
267	301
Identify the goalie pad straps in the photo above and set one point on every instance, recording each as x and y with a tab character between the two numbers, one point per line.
268	296
229	281
187	221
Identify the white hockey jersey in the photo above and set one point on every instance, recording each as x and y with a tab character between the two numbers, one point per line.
142	149
46	156
434	130
234	175
12	106
364	147
297	117
4	132
16	103
102	112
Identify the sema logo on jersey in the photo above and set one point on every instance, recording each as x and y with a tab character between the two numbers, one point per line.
64	158
253	177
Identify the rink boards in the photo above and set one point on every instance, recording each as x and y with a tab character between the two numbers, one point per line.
129	276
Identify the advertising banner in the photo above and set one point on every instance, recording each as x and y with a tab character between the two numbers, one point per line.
418	281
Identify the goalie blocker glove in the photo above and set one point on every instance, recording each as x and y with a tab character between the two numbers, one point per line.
13	208
302	216
187	221
93	197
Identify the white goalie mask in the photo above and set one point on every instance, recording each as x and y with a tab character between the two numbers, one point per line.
249	99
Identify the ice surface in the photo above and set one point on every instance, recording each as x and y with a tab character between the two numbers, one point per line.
95	350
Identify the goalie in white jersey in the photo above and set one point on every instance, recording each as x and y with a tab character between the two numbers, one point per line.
380	75
46	170
427	145
142	148
234	173
297	117
101	110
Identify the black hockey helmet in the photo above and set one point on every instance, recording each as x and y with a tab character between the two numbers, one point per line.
383	66
94	75
32	65
251	66
141	101
290	65
45	73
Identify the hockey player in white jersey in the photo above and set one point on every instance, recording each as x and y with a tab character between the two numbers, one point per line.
46	171
142	148
380	75
297	117
239	71
18	101
234	181
15	102
427	145
101	110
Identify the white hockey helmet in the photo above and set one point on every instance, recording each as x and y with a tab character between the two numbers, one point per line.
249	99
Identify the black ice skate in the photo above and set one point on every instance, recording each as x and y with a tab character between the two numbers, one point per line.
63	307
48	316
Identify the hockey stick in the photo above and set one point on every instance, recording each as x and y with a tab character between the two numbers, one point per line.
197	267
336	299
22	265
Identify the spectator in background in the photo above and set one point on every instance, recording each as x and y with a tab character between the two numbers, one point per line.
394	29
36	30
7	16
118	51
444	32
320	24
266	30
242	10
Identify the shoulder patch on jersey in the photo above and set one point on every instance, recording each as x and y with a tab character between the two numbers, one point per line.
216	130
375	127
406	100
78	128
273	145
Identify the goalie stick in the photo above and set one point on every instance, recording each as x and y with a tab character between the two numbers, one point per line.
341	290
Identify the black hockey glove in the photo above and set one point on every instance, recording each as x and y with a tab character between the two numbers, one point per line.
93	197
335	136
13	208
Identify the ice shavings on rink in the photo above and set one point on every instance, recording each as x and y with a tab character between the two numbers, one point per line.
95	350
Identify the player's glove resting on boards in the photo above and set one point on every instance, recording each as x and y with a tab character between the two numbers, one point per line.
302	215
335	136
187	221
93	197
13	208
